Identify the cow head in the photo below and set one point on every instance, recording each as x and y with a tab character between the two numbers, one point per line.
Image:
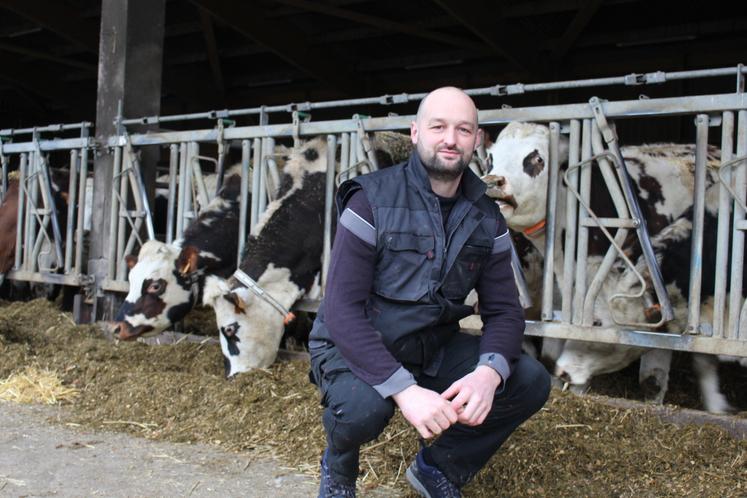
249	328
519	162
161	291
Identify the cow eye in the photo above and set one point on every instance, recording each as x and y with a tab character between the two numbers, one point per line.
154	287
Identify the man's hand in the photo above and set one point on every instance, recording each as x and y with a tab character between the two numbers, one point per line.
472	395
428	412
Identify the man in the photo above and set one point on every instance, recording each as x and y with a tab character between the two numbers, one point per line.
411	243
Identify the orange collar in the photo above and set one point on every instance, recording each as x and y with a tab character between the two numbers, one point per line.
535	230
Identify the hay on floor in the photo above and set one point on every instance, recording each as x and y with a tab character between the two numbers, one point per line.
36	385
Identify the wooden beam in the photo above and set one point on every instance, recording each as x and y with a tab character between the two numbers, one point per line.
382	23
575	28
284	41
211	47
59	19
495	31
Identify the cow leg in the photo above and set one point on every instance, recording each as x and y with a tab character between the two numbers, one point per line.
706	368
654	374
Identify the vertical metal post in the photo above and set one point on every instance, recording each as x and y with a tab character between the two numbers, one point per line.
114	214
724	214
737	244
696	259
261	190
256	174
272	170
244	201
33	186
173	173
344	155
190	203
122	214
328	201
71	201
582	247
203	196
353	171
82	206
22	207
181	197
552	198
571	211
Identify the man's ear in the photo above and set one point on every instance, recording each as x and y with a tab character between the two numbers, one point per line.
414	132
480	135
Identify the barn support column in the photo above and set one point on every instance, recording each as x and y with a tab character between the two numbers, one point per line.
130	70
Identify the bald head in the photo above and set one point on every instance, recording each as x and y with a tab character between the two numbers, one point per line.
445	96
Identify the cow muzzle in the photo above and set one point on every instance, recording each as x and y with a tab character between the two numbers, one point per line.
126	332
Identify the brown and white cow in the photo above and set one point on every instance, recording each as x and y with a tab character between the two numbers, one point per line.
283	255
166	280
663	175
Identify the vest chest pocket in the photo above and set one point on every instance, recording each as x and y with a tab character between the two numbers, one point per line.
402	272
465	271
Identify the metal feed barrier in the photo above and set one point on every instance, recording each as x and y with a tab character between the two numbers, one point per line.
592	141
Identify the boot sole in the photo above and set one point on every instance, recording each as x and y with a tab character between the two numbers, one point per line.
416	484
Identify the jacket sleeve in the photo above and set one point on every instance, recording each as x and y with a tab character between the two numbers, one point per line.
349	284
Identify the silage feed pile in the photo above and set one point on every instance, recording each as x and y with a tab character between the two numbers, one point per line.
573	447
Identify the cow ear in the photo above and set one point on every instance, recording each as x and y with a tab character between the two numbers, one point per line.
187	262
131	261
238	303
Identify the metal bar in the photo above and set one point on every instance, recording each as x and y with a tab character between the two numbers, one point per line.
638	338
114	214
552	198
121	218
71	201
190	202
696	259
198	179
47	145
582	247
135	227
256	174
4	162
82	207
495	90
722	237
571	212
525	297
181	197
737	244
173	173
352	171
22	167
610	222
272	169
139	192
344	156
31	201
329	191
37	129
244	201
261	190
595	286
48	198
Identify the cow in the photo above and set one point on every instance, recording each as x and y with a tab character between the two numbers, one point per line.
663	179
166	280
283	255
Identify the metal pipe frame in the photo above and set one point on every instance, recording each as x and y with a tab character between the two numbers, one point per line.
114	215
244	200
634	79
122	214
71	201
548	275
170	203
82	194
182	192
737	248
11	132
22	167
329	193
256	179
582	246
571	212
261	190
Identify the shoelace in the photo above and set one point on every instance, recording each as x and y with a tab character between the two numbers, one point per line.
447	488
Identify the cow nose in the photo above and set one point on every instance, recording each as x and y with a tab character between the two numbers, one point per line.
500	181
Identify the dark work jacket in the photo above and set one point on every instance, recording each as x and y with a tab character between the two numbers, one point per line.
423	273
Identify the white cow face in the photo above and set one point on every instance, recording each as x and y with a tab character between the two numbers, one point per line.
519	170
157	297
250	329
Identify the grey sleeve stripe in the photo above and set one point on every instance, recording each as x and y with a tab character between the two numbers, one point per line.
398	381
502	243
497	362
358	226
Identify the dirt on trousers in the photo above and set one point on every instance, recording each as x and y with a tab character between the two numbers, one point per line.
575	446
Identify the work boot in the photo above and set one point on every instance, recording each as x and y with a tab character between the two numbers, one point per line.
429	481
329	487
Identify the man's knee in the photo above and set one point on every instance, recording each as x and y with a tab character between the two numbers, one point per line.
358	421
532	383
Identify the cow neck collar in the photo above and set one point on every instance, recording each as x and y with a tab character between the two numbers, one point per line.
252	285
535	230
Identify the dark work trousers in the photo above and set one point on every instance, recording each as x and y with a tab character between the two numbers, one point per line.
355	413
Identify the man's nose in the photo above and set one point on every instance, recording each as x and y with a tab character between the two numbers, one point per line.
450	136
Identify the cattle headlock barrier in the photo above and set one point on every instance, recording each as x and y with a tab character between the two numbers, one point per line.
566	312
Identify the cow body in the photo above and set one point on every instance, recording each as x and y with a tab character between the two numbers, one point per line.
283	254
663	180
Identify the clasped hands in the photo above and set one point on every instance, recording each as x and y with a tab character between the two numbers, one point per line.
467	401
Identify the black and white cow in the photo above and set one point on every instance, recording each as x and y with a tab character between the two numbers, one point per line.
663	176
166	280
283	255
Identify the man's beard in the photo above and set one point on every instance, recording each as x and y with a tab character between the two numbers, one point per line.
438	170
